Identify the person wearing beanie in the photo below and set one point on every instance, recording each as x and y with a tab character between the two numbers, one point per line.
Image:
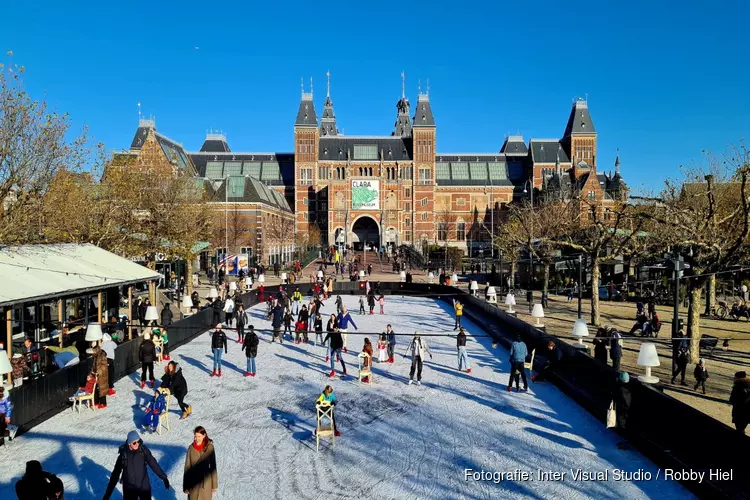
130	470
109	346
250	346
36	483
463	358
622	399
740	401
701	375
218	341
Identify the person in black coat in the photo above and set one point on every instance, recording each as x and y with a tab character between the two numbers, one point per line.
701	375
615	349
391	342
130	470
142	307
551	360
166	315
147	356
218	308
250	346
622	399
304	318
36	484
681	359
740	401
277	319
175	382
218	341
600	345
337	343
241	320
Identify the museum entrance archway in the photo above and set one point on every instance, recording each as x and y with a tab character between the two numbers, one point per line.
365	232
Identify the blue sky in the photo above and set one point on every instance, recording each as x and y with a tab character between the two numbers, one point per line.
663	81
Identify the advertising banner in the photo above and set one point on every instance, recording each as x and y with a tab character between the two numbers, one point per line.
365	195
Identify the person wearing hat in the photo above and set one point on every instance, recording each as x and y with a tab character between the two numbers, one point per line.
109	347
701	375
218	341
418	348
36	483
740	401
130	470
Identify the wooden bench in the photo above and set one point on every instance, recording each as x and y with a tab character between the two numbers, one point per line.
709	342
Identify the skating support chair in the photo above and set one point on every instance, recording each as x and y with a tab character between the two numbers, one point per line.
324	410
78	400
159	344
530	365
365	366
164	418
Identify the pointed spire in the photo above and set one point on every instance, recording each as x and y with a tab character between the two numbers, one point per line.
579	121
311	86
328	120
306	116
403	86
617	162
403	118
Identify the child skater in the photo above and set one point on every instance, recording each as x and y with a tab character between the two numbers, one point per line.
383	348
154	409
381	301
361	304
87	389
339	304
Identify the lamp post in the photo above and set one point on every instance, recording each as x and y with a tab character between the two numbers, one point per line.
580	286
678	265
530	182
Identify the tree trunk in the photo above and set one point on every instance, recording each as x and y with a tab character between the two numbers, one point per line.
710	294
513	274
189	277
594	290
694	318
545	284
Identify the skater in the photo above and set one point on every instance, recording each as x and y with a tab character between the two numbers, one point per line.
36	483
329	397
241	320
343	320
333	324
261	293
218	341
6	411
361	305
371	303
277	316
109	347
287	324
383	348
418	347
318	325
518	352
132	459
615	348
339	304
200	479
175	382
147	356
154	410
701	375
336	343
296	300
304	321
459	309
228	311
367	361
462	356
391	343
100	368
161	333
381	302
740	401
250	346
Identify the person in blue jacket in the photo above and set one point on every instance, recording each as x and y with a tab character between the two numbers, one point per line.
154	410
6	410
344	320
518	353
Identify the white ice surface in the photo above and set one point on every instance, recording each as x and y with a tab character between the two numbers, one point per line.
399	441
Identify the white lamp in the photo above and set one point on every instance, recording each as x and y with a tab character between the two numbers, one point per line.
510	301
320	274
187	302
454	279
284	277
473	286
538	313
361	275
430	277
648	357
580	330
248	283
5	368
403	276
491	295
213	293
232	286
151	314
94	334
262	279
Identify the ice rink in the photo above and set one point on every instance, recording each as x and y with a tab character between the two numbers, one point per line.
399	441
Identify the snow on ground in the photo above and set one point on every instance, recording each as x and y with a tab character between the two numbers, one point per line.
399	441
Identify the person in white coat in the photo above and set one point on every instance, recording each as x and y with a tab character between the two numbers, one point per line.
109	346
228	311
418	348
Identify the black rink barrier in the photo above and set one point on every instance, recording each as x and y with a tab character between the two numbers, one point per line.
670	433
